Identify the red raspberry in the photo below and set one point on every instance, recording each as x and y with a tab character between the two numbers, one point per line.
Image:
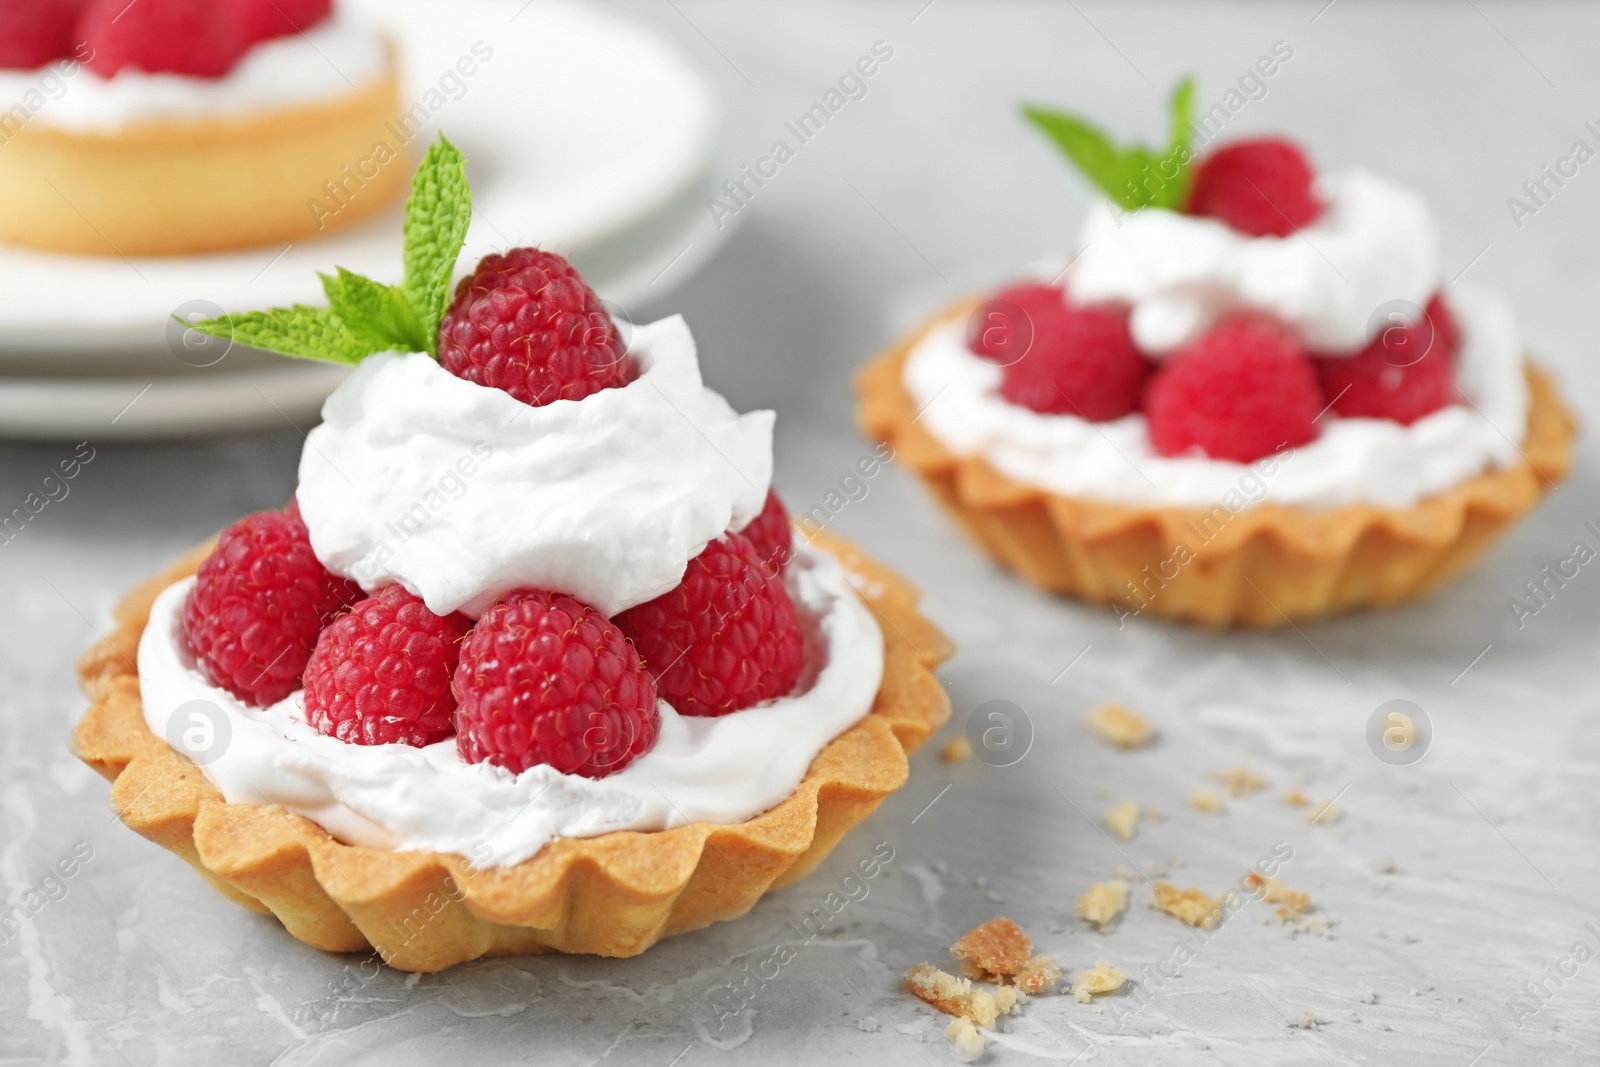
726	638
545	679
526	323
1262	187
1408	371
197	37
262	20
1003	328
34	32
1243	391
771	534
381	674
257	606
1082	362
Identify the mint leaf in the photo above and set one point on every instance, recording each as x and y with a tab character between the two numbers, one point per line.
300	331
437	216
377	314
1132	176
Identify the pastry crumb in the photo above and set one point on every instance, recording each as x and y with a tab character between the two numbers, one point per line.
965	1039
1099	979
869	1024
1189	906
1123	819
1316	923
1305	1022
942	990
1295	799
1208	801
1325	814
1293	904
1039	975
998	947
956	750
1102	902
1154	815
1241	781
1118	725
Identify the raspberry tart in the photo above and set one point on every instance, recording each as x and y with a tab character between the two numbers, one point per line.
176	127
532	661
1250	397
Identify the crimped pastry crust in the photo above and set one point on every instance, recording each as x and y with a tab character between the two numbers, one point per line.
613	895
184	187
1264	566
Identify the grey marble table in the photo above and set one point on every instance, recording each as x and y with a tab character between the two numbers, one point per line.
1453	885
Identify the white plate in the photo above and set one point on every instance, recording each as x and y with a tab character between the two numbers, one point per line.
249	391
585	134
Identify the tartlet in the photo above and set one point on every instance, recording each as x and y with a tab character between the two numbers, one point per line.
185	181
1267	566
1204	416
612	895
529	663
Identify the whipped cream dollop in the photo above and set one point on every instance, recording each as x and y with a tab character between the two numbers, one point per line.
462	493
1352	461
718	770
330	60
1374	243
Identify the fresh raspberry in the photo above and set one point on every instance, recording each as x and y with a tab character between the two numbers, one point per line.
545	679
202	38
1262	187
381	674
1003	328
1082	362
526	323
1408	371
263	20
33	32
1243	391
771	534
725	638
257	606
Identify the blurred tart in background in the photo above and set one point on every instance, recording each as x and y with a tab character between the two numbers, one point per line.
1250	398
175	127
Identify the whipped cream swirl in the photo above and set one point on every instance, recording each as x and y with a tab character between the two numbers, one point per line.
304	68
1375	242
462	493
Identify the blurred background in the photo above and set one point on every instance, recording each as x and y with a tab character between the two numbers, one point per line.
1450	883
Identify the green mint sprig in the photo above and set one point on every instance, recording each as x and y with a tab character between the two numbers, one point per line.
1132	176
364	316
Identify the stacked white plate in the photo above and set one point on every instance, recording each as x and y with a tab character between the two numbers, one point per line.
584	134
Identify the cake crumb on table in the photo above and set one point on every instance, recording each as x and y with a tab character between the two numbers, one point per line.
1102	902
1295	799
1241	781
1123	819
1189	906
965	1039
1293	904
1325	814
956	750
1039	975
998	947
1208	801
1118	725
1100	979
